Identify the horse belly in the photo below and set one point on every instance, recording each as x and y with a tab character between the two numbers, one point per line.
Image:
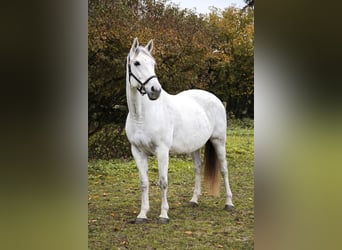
191	132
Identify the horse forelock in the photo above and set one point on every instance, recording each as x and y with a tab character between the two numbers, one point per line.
144	51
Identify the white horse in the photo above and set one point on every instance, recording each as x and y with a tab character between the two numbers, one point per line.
159	123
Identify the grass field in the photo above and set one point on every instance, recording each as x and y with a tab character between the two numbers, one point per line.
114	202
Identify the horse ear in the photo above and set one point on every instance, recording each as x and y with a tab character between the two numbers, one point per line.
149	46
135	44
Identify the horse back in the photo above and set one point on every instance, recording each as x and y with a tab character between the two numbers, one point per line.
212	106
198	116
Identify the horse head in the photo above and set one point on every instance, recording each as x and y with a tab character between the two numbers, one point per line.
140	66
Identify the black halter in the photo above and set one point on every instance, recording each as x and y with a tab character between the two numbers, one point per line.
141	89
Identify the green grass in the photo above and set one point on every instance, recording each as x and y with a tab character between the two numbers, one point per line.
114	203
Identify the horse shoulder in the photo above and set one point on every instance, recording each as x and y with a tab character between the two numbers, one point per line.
154	130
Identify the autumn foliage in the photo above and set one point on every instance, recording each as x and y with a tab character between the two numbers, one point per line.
213	52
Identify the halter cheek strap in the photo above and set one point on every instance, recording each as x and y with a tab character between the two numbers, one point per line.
141	89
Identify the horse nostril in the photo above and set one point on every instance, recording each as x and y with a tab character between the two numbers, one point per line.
152	89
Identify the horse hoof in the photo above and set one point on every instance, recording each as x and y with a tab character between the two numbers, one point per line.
163	220
193	204
141	220
228	207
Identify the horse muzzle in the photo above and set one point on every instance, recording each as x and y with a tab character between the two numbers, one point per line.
153	93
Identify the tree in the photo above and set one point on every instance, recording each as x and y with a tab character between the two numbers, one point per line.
213	52
233	61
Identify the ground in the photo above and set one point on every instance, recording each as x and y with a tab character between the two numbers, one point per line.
114	203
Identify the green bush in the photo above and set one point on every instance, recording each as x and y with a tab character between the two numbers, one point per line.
245	123
110	142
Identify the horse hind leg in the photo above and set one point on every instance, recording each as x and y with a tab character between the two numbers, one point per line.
220	149
196	158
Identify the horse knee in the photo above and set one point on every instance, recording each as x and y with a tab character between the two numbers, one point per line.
162	183
197	170
143	185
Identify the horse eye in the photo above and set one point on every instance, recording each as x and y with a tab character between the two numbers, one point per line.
137	63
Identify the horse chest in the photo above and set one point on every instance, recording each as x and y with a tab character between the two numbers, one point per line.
138	136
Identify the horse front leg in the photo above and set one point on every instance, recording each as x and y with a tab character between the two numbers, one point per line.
142	164
163	162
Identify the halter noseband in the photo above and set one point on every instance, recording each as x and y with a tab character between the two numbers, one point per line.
141	89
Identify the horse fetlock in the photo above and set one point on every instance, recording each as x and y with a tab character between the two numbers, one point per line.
165	207
224	172
144	209
163	213
229	197
142	215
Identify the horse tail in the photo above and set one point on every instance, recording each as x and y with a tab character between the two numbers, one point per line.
211	169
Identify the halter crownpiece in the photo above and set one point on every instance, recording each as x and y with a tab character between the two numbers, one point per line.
141	89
